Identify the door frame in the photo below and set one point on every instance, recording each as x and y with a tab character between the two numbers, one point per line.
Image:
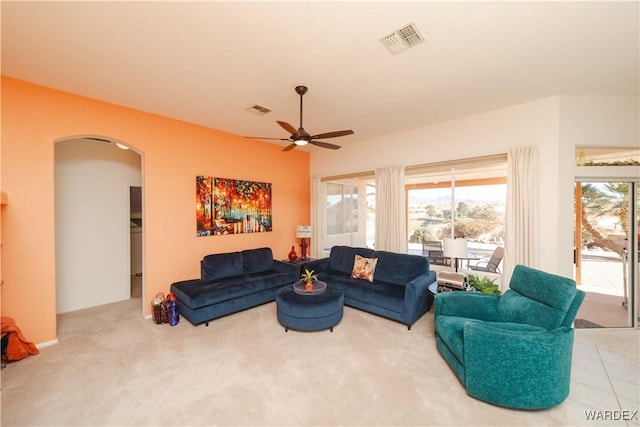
630	174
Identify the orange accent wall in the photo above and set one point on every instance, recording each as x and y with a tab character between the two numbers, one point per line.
173	153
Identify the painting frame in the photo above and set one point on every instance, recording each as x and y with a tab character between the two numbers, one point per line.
232	206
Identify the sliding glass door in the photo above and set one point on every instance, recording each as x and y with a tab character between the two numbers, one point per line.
606	251
342	226
465	198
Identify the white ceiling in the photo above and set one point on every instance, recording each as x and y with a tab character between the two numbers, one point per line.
207	62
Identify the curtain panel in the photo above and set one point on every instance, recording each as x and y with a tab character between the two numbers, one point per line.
522	228
317	218
391	220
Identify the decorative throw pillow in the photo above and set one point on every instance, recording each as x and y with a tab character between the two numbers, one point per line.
363	268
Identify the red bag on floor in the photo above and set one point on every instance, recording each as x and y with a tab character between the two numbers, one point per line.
17	346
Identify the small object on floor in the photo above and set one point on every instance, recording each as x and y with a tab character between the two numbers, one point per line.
14	345
585	324
173	314
159	309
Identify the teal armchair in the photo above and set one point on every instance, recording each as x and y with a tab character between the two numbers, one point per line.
512	350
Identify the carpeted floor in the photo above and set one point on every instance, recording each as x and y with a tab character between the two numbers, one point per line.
111	367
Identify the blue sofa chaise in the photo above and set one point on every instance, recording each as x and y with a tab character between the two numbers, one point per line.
231	282
399	290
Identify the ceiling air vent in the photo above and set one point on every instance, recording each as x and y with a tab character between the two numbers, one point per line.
259	109
402	39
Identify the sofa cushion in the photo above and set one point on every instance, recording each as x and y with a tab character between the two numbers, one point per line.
341	257
219	266
197	294
376	294
364	268
399	268
450	329
257	260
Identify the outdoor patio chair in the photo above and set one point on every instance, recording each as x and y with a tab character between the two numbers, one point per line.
433	250
492	264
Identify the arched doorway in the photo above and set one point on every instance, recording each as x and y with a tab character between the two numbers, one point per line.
93	180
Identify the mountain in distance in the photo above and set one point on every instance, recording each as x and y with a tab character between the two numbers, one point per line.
421	201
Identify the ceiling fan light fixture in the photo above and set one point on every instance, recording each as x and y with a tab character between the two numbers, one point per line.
300	137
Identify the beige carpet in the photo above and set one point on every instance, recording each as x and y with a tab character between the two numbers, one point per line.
112	367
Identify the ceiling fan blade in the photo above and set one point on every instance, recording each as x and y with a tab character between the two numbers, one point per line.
262	137
289	147
288	127
333	134
324	145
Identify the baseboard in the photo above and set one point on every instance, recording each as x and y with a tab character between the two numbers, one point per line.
47	344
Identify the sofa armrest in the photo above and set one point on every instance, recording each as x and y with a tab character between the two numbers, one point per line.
286	267
515	366
317	265
417	299
474	305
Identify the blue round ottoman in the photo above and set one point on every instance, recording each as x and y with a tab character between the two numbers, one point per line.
309	312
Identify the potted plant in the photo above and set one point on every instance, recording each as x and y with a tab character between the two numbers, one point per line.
483	284
308	277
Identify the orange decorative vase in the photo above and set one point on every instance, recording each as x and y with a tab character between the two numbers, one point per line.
308	287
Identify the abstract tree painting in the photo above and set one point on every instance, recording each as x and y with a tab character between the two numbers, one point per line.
232	206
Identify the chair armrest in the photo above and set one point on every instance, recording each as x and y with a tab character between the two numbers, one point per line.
516	365
480	263
473	305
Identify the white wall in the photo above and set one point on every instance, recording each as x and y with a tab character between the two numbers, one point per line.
92	222
593	121
600	121
533	123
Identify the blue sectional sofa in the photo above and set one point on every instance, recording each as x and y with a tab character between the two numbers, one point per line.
231	282
399	290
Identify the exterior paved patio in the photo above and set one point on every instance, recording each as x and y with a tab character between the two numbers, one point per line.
602	280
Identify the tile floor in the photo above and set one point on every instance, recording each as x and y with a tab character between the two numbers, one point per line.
605	375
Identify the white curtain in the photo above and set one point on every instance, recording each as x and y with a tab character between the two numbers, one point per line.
522	229
317	218
391	224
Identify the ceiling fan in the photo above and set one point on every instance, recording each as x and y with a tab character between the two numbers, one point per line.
301	137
